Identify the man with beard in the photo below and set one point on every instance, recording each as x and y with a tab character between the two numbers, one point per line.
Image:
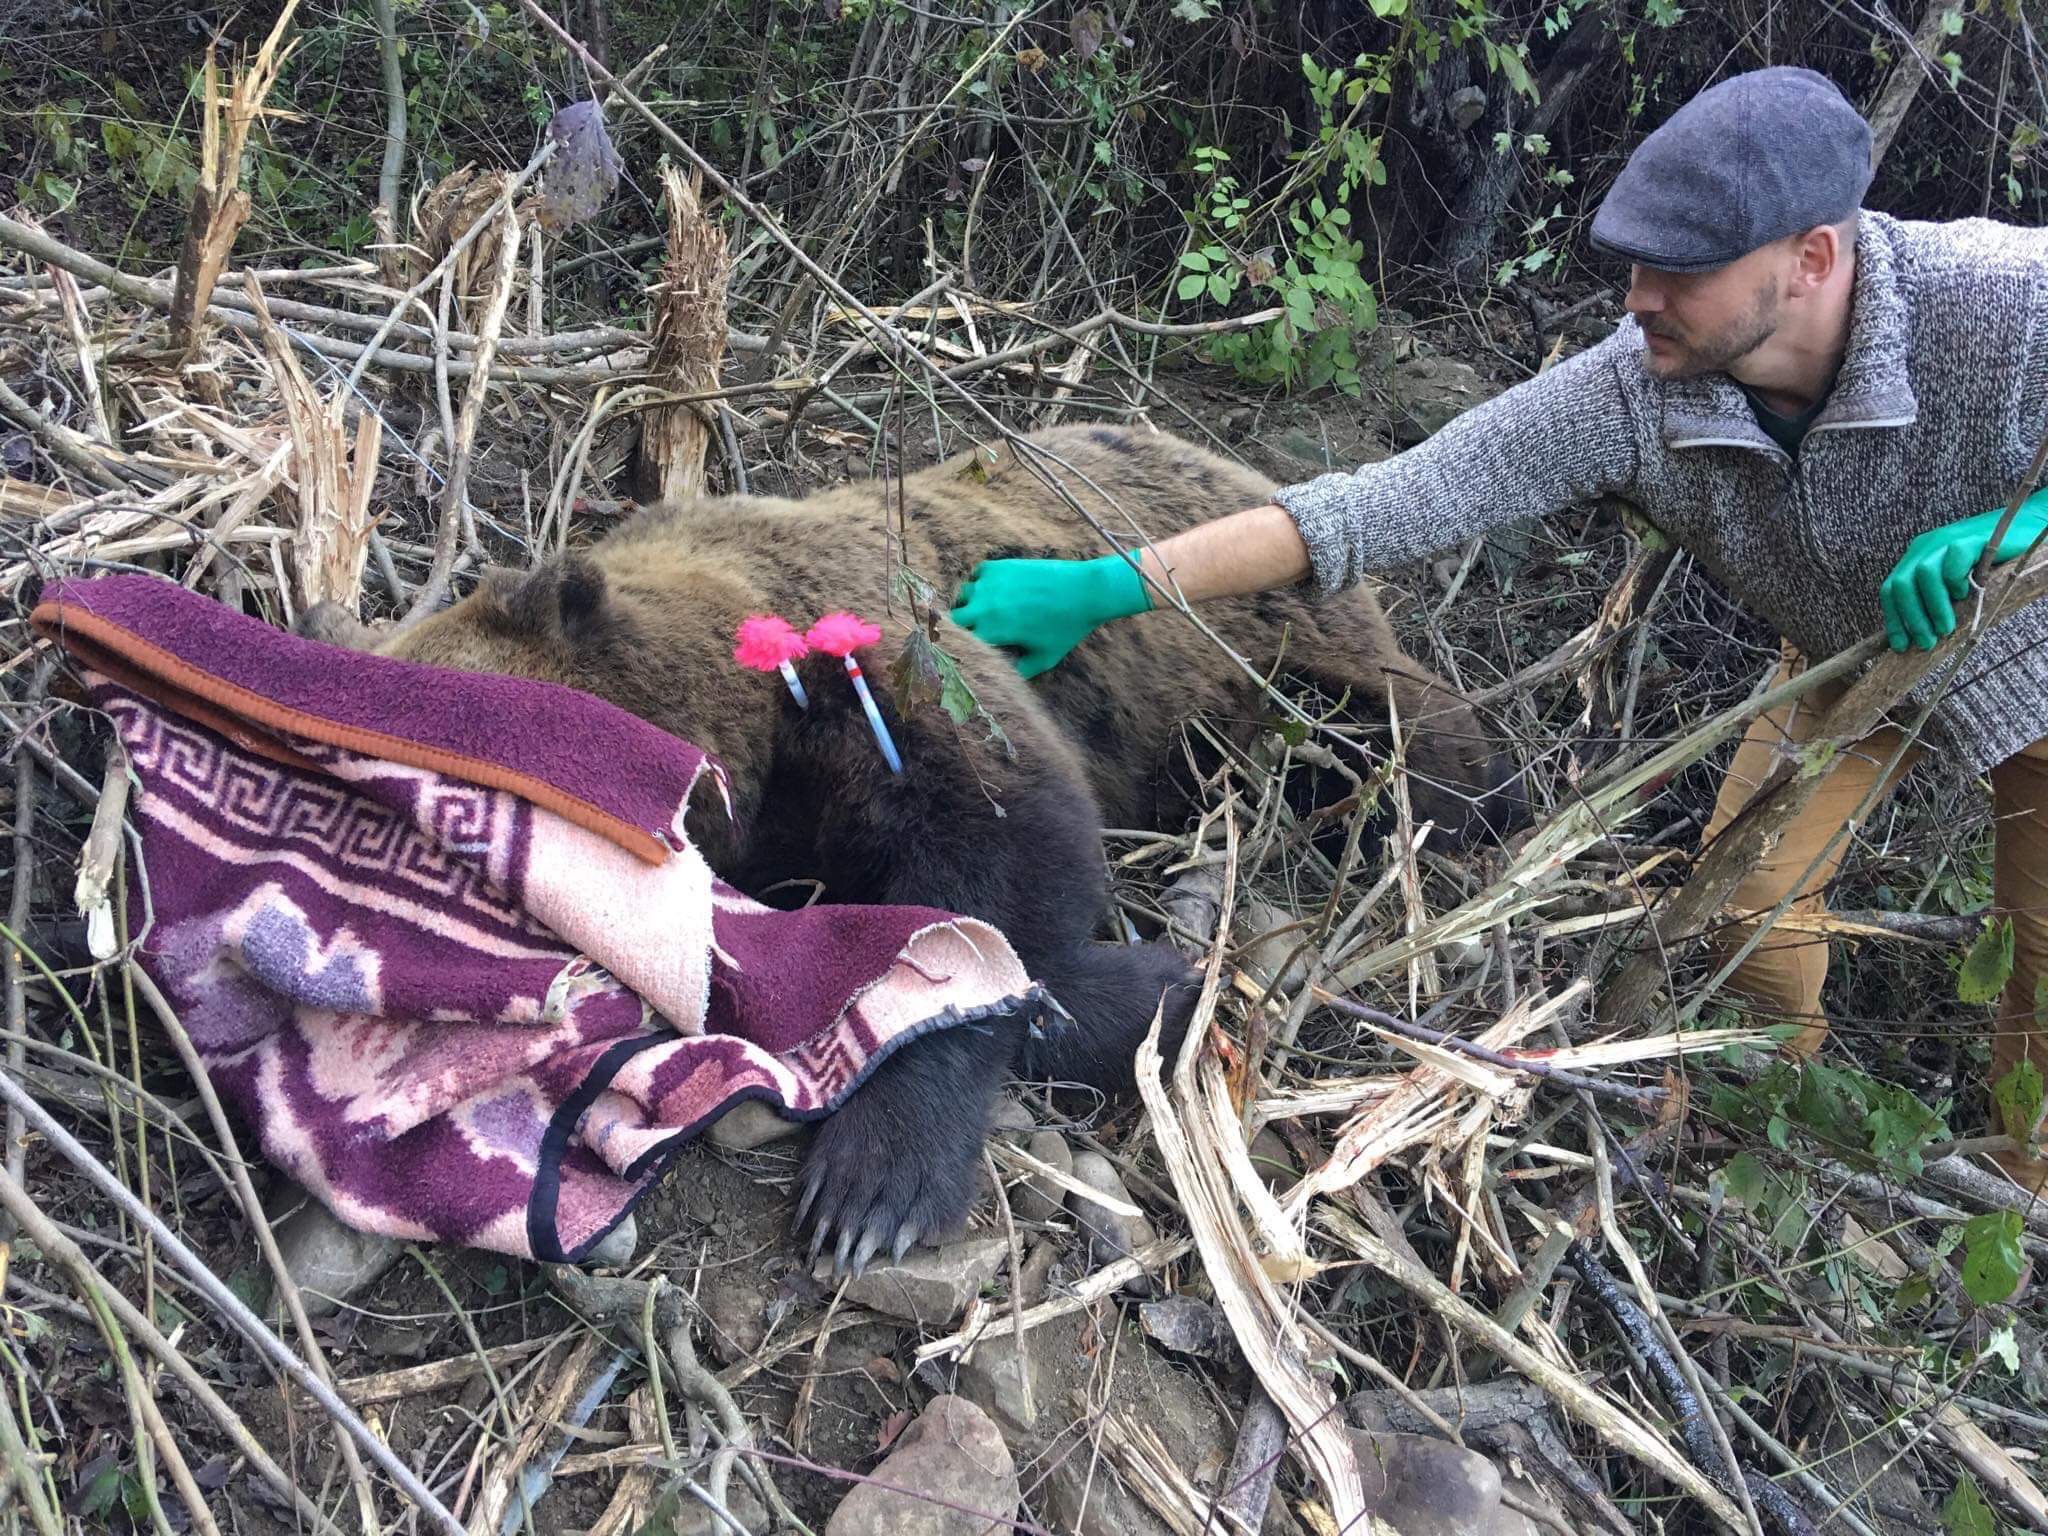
1829	407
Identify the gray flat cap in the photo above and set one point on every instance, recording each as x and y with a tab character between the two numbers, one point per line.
1753	159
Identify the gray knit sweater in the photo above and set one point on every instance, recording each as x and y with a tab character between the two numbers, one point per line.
1935	416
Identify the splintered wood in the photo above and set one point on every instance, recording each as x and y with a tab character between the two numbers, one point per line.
330	477
689	345
219	205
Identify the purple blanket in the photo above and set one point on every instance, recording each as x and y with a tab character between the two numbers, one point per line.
440	937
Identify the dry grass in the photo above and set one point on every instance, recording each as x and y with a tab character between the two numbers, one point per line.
280	438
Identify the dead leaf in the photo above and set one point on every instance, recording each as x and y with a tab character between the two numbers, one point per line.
892	1426
585	170
1033	59
1085	28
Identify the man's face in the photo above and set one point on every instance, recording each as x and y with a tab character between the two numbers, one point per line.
1705	322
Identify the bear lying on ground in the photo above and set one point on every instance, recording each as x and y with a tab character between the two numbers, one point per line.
645	619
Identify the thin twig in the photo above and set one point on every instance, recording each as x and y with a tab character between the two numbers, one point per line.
231	1306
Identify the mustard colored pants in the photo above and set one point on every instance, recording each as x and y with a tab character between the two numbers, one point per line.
1782	976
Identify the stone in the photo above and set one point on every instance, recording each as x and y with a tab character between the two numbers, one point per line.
616	1248
953	1453
329	1261
693	1517
1273	1160
1012	1119
747	1125
1078	1492
1085	1496
735	1299
932	1285
1268	957
995	1377
1430	391
1037	1198
1111	1235
1193	904
1426	1487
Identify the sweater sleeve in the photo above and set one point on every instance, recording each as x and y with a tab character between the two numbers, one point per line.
1565	436
2033	405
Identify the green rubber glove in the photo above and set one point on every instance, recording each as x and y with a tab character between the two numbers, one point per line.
1042	609
1933	574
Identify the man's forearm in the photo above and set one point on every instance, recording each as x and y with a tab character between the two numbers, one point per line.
1251	551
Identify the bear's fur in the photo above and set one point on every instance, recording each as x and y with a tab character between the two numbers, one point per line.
645	619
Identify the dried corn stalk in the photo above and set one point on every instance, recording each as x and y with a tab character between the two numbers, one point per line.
331	479
219	205
441	217
1201	1142
689	344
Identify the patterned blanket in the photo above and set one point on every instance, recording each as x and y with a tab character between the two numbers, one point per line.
440	937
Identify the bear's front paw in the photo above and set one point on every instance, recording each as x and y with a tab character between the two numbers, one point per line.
896	1162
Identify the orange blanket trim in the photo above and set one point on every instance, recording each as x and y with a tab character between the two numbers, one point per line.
223	706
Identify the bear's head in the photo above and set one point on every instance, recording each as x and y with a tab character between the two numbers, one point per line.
653	641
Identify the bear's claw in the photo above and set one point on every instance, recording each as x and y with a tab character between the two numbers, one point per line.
896	1162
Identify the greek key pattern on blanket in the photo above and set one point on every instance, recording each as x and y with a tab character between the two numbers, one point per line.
274	806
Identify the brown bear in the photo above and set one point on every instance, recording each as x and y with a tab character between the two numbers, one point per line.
1005	828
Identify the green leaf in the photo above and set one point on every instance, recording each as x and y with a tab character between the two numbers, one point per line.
1744	1178
101	1492
2005	1344
119	138
1988	966
1991	1256
1219	287
2018	1097
1195	261
1912	1294
1191	286
1966	1513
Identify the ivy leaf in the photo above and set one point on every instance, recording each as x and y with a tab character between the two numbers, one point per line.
2018	1097
1744	1178
1988	966
1991	1256
1912	1294
99	1487
2005	1344
1966	1513
923	674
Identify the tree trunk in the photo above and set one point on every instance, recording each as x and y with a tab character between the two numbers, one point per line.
1479	205
1903	84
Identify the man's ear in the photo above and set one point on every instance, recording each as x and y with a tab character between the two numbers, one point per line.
563	597
1816	254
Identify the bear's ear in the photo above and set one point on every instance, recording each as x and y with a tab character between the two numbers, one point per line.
564	597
